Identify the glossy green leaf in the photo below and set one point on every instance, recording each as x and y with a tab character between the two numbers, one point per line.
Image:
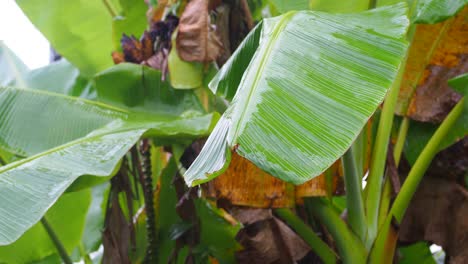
434	11
11	67
67	218
226	82
217	236
313	83
52	120
30	186
80	31
184	74
140	88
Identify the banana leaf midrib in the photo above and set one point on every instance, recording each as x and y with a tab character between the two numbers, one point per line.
263	62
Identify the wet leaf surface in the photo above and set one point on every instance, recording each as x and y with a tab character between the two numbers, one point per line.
294	63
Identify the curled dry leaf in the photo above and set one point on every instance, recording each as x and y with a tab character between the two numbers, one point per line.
153	47
136	51
239	185
266	239
197	39
438	53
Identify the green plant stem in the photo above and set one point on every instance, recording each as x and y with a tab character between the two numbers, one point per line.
354	203
109	8
350	248
359	152
387	189
385	202
310	237
411	183
402	132
58	244
422	163
379	157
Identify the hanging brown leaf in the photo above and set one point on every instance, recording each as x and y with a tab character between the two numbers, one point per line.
196	39
438	53
116	235
266	239
239	185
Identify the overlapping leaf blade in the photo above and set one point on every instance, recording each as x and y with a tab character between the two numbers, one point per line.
92	138
79	30
434	11
58	77
314	81
67	218
225	83
11	67
33	121
139	88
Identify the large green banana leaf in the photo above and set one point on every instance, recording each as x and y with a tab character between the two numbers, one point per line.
81	31
58	77
11	67
90	138
139	88
312	84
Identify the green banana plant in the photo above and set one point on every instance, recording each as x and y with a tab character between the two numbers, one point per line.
302	85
